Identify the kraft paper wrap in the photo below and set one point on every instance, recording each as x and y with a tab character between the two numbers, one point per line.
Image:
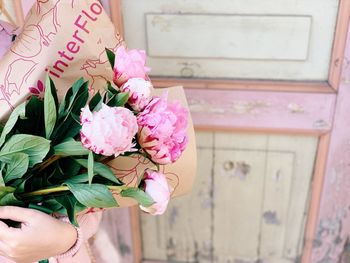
67	40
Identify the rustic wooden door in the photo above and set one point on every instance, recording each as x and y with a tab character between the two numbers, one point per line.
263	79
268	83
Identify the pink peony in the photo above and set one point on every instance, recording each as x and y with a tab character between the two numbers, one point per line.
156	186
109	131
129	64
6	34
139	92
162	130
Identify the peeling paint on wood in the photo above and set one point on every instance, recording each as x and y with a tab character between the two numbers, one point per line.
248	204
304	112
270	218
333	227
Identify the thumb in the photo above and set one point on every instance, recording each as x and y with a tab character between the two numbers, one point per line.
15	213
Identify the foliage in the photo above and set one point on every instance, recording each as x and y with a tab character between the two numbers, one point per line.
43	164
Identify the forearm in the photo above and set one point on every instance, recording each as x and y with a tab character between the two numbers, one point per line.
68	239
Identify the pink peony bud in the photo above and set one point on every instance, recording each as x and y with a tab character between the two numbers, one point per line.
139	92
6	34
156	186
162	130
109	131
129	64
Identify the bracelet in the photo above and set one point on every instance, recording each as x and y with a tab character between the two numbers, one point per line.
75	248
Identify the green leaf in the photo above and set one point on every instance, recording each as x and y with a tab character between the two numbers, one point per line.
71	148
71	127
2	183
69	119
69	203
7	197
91	166
111	57
112	90
64	103
52	204
34	146
81	99
41	208
102	170
70	97
4	190
69	167
122	98
139	195
18	112
54	94
34	122
10	199
94	195
78	179
17	166
96	102
49	109
44	261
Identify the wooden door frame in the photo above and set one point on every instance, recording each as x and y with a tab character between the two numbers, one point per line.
331	87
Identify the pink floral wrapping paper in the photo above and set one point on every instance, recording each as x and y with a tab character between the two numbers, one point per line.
67	40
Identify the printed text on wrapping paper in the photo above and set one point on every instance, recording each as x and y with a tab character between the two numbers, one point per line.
74	45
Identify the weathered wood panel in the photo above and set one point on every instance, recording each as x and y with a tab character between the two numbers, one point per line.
113	240
238	192
249	202
162	237
285	37
258	110
302	61
277	195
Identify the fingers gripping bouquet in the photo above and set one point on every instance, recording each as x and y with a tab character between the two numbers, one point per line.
54	155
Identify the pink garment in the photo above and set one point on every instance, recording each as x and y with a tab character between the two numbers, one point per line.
89	224
6	34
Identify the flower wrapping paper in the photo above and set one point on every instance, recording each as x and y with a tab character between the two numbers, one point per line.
67	40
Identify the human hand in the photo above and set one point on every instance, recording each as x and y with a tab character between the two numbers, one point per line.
39	236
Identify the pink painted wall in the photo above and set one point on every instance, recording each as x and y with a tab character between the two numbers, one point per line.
333	227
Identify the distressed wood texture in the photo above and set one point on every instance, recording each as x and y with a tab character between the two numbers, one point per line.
165	29
248	204
333	225
261	111
273	39
113	240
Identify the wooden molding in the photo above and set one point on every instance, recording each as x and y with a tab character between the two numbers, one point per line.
290	86
329	86
256	111
339	44
316	193
136	234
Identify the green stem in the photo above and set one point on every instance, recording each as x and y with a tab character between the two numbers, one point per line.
60	189
40	167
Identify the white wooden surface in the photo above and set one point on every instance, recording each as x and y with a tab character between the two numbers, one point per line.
295	37
235	38
248	203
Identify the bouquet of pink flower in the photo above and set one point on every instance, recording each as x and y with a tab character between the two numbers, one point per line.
53	154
